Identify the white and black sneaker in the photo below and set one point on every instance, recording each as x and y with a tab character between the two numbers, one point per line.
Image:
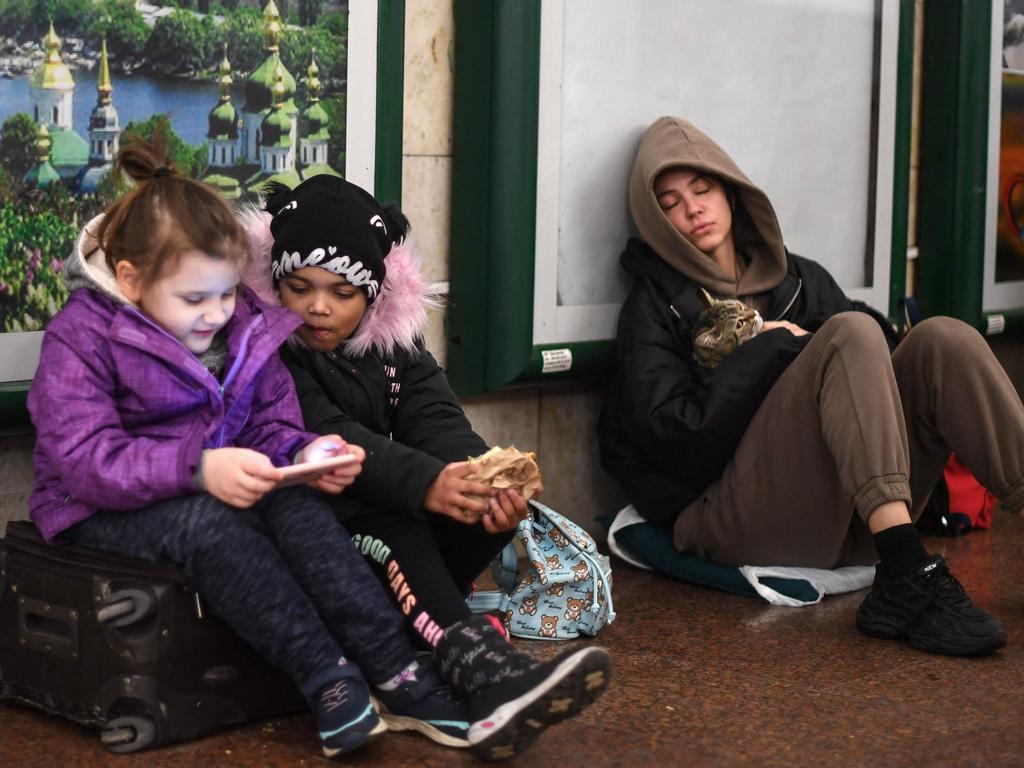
509	715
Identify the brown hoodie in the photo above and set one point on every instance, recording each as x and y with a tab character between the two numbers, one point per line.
672	142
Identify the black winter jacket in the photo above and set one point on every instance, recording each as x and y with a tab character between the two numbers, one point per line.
664	433
399	408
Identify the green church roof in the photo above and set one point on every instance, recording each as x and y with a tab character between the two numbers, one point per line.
258	87
319	169
276	129
314	122
227	186
42	176
257	181
68	148
223	122
223	119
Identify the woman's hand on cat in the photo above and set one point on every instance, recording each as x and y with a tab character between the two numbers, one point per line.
238	476
796	330
453	495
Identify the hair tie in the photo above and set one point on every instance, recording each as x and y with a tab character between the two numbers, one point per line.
162	171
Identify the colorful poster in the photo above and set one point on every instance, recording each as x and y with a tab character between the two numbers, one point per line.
242	93
1010	216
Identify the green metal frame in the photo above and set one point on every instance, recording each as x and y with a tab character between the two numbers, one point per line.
954	158
387	167
490	317
14	418
954	153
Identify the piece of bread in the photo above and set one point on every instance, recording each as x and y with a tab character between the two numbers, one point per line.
507	468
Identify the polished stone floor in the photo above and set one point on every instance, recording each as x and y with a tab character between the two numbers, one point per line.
702	679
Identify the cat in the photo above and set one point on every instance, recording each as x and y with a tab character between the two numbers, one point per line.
722	326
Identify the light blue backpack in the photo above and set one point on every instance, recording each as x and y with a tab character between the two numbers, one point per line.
567	588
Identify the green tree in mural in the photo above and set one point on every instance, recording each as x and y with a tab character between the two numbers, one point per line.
156	130
181	43
121	24
16	17
331	54
18	150
309	11
242	30
335	108
334	22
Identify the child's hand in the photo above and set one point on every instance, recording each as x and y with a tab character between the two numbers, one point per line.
504	512
324	447
338	479
447	495
238	476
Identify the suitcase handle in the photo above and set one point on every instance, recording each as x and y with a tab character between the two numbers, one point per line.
48	628
125	607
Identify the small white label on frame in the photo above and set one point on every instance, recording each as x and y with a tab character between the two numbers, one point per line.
556	360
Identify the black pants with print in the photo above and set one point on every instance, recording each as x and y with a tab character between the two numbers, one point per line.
428	566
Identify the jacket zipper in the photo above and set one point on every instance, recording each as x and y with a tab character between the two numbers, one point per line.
792	301
243	347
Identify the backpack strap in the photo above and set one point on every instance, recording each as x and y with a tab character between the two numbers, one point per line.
505	574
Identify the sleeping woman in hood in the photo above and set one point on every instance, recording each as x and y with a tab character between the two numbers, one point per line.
328	251
814	443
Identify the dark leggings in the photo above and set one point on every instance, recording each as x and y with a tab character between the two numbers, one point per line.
428	565
283	575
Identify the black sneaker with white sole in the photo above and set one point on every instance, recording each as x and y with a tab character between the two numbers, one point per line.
425	704
508	716
929	609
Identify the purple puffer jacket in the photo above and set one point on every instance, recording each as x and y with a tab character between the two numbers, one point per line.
123	410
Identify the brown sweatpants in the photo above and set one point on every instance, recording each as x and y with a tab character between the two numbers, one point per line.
848	427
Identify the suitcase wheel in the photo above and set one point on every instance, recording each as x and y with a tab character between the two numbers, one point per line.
125	607
128	734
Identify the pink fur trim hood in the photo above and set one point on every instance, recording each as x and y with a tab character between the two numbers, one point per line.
396	318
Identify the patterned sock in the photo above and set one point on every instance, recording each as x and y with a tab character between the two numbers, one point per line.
474	654
405	675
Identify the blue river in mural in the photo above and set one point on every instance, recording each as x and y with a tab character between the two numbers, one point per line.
138	97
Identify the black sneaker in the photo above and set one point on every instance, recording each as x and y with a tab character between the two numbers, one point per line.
345	717
423	703
508	716
931	610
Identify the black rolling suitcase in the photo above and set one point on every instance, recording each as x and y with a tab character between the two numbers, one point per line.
124	646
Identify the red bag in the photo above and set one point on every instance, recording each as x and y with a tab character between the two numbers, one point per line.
958	504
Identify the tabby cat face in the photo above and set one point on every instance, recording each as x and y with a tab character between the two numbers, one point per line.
722	326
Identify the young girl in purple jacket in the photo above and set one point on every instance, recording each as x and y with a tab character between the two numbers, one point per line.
163	415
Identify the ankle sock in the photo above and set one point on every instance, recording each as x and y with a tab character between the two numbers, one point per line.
402	677
900	550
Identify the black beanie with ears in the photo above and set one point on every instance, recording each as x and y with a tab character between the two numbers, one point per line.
330	223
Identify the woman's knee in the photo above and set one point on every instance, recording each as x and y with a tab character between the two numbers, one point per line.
941	333
850	330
